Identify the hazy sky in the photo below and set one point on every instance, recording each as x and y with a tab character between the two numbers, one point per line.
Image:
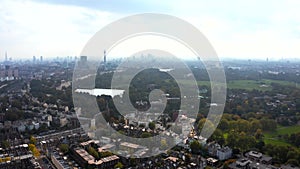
237	29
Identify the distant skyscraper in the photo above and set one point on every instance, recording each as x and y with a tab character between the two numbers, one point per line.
6	56
83	59
104	60
33	59
41	58
82	62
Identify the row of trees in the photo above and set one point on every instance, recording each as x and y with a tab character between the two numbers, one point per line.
294	139
247	134
235	123
251	125
45	91
283	154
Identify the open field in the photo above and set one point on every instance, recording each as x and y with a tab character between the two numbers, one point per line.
272	137
249	85
288	130
263	85
276	142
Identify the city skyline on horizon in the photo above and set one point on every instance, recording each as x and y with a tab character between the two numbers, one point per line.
31	28
30	58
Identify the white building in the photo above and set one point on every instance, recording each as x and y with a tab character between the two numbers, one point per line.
21	128
36	125
224	153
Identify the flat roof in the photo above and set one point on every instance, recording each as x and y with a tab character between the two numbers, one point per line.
212	160
105	147
89	142
107	159
174	159
130	145
85	155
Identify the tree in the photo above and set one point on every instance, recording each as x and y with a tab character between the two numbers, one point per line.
145	135
34	150
228	162
163	144
218	137
292	155
201	124
93	152
232	139
105	154
5	144
151	125
233	125
240	109
293	162
119	165
281	153
209	126
5	159
260	145
64	148
142	125
255	125
101	103
188	158
33	140
268	124
258	134
245	142
195	147
223	125
243	125
16	104
132	161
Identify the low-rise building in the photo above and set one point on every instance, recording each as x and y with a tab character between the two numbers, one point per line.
289	167
213	148
240	164
224	153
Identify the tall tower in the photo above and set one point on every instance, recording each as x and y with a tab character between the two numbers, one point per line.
33	59
104	60
6	56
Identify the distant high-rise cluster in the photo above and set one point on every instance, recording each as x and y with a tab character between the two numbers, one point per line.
7	59
9	73
36	60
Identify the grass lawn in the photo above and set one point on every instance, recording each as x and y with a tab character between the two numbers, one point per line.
263	85
288	130
272	137
282	82
200	83
248	85
276	142
225	135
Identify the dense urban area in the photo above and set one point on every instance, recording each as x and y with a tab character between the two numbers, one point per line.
41	127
